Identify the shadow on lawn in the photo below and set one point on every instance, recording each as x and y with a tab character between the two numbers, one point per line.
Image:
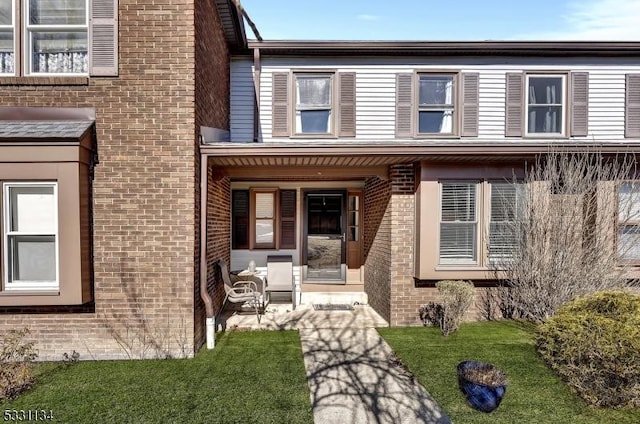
353	375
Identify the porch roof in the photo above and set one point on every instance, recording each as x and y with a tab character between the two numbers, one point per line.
376	154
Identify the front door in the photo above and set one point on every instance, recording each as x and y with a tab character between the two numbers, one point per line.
325	235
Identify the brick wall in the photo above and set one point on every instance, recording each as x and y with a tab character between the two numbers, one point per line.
377	245
218	246
144	189
212	110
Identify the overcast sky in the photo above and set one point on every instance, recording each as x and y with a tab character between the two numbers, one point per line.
445	20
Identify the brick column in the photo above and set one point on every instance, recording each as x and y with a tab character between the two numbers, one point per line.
404	304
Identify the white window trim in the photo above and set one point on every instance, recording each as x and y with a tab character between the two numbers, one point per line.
28	29
478	203
28	285
564	105
12	28
454	108
332	106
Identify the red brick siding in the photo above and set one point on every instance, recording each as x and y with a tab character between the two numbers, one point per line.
144	189
377	245
402	209
218	246
211	110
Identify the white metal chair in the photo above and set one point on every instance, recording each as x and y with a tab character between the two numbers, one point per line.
240	291
280	276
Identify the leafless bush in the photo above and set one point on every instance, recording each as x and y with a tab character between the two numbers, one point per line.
564	229
456	297
16	369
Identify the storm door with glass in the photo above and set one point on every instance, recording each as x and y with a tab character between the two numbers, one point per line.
325	237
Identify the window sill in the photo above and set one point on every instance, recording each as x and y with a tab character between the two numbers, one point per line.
462	267
30	293
545	136
49	80
314	136
436	136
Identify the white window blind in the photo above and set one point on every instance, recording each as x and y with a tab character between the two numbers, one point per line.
313	104
30	238
506	205
458	223
629	221
265	213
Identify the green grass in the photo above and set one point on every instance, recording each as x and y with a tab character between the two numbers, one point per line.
250	377
534	395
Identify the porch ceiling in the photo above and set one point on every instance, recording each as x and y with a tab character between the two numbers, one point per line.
320	160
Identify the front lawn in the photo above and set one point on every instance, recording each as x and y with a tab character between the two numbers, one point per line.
250	377
534	394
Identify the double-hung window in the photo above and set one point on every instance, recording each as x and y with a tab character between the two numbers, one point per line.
30	239
471	211
506	205
629	221
436	103
58	38
546	104
7	39
263	218
458	222
314	103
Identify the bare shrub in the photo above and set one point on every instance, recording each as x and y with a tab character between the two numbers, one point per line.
563	230
16	368
455	299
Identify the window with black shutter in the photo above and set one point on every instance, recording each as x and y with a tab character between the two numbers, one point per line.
240	219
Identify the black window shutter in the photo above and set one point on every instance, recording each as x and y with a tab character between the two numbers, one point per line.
240	219
287	219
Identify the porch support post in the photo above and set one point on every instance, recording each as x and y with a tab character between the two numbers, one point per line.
204	293
404	302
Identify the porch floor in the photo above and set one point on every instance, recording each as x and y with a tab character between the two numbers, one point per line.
281	316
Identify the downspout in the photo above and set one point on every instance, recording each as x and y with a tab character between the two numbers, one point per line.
257	67
204	293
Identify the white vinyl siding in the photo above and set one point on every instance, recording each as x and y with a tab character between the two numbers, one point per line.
30	239
458	223
376	94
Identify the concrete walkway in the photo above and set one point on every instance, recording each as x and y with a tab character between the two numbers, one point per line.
354	379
